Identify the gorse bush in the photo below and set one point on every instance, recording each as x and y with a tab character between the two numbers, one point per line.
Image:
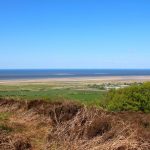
134	98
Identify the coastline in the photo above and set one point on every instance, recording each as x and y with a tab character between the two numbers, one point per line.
102	79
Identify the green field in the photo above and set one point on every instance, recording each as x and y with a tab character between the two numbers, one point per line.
53	93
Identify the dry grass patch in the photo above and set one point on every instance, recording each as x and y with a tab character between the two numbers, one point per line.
39	125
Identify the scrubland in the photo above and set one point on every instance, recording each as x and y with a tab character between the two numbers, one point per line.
120	120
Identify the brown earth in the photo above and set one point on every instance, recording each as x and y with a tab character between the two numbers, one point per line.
40	125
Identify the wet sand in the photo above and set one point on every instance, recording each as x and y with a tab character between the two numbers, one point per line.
127	79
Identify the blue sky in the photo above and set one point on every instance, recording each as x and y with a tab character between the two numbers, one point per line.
74	34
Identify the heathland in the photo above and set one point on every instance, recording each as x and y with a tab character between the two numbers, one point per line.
75	116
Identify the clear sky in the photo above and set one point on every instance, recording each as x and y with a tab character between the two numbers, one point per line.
74	34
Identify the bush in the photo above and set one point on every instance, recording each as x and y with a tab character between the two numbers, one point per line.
134	98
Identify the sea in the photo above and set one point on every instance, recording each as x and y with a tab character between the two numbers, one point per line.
14	74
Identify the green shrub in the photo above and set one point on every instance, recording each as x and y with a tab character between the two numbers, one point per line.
134	98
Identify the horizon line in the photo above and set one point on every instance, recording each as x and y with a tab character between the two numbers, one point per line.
74	68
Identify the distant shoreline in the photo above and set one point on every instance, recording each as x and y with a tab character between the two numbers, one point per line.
101	79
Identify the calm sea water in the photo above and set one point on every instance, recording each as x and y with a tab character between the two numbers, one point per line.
64	73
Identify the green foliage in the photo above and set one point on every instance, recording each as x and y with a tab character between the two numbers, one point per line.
134	98
96	86
51	93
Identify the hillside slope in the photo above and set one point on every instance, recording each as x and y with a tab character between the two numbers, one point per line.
39	125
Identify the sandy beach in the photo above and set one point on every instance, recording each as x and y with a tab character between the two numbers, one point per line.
127	79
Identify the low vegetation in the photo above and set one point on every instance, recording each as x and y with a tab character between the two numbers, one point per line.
71	126
61	120
46	92
132	98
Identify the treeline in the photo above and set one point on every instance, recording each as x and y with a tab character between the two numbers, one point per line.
132	98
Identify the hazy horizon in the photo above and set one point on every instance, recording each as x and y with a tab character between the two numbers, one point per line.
75	69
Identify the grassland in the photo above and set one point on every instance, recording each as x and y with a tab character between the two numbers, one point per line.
42	123
73	92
